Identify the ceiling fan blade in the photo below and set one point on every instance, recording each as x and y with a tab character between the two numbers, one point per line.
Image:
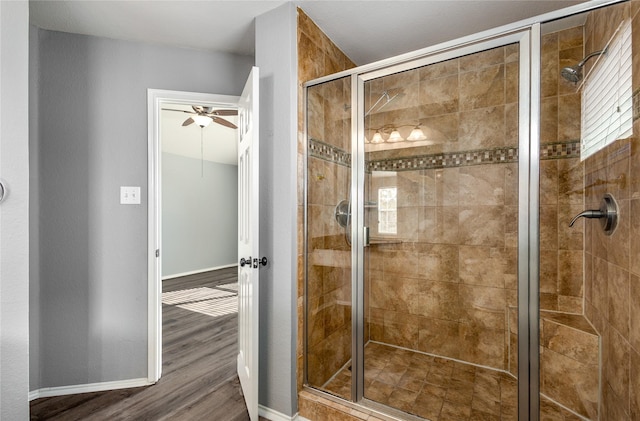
188	121
224	112
224	122
180	111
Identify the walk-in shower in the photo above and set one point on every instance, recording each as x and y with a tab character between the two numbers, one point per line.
443	278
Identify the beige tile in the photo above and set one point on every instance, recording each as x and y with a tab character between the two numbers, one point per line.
483	306
572	343
447	184
570	273
548	227
439	96
438	300
634	390
512	73
482	225
482	185
439	337
549	271
438	70
482	128
511	126
549	182
570	383
618	292
549	58
482	59
483	87
571	238
487	266
569	304
570	181
634	235
482	346
634	312
616	367
569	117
549	119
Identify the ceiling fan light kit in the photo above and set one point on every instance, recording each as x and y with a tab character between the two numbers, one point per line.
205	115
202	120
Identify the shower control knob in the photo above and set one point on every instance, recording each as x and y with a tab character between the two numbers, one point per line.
244	261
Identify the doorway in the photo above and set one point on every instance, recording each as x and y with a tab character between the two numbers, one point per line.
180	103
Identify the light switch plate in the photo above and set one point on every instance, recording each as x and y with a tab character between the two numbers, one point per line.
129	195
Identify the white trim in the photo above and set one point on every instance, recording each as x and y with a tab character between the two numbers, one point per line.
194	272
155	99
274	415
47	392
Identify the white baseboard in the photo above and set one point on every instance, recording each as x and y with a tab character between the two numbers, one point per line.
194	272
272	415
47	392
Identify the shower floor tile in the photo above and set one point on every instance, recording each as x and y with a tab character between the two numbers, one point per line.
431	387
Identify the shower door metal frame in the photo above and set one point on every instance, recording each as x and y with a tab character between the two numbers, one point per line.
528	226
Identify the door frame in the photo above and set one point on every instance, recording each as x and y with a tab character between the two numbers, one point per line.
156	98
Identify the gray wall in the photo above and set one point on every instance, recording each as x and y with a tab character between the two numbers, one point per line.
93	251
276	56
199	214
34	217
14	210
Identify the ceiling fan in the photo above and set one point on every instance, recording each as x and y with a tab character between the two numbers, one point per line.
205	115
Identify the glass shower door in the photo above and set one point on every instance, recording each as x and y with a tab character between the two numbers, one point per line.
328	338
441	205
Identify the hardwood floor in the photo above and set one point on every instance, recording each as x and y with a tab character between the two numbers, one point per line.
199	381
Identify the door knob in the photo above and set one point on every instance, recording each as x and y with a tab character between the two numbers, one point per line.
244	262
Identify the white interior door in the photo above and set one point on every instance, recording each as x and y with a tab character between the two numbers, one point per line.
248	253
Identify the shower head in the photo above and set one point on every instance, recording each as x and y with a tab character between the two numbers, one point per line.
574	73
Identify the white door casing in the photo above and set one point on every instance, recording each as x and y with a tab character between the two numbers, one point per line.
248	252
156	99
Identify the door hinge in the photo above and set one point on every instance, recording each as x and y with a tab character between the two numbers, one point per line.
157	252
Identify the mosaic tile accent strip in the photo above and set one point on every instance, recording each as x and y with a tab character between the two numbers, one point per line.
446	160
319	149
636	104
561	150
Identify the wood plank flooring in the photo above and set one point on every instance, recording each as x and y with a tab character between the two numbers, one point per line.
199	381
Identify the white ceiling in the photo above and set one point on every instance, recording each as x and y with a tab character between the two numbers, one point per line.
219	143
365	30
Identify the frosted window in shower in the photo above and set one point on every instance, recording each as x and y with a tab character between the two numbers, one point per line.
388	210
607	112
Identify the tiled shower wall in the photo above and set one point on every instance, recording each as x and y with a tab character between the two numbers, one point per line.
612	263
451	281
329	269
